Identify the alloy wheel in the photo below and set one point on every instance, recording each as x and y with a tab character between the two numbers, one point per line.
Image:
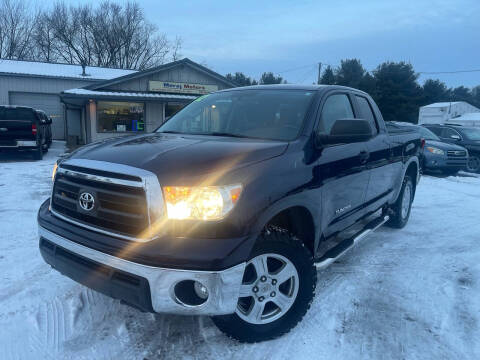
269	289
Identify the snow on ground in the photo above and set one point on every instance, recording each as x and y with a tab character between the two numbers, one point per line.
408	294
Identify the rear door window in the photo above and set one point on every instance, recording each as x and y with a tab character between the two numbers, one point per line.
366	113
336	107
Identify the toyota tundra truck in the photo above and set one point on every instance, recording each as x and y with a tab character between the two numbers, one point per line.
229	208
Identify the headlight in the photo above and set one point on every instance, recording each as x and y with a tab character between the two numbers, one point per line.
435	150
55	167
200	202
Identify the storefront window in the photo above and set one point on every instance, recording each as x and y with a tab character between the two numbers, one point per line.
120	116
173	108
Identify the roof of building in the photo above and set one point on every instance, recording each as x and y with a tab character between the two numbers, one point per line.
162	67
82	92
442	104
56	70
467	116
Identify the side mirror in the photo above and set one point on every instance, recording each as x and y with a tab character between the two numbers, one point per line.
346	131
455	137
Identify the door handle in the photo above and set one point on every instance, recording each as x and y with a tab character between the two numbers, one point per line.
364	156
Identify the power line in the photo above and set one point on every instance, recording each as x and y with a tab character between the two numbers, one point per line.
448	72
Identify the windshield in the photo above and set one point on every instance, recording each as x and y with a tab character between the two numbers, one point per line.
266	114
428	135
471	133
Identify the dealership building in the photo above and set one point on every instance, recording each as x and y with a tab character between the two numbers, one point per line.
92	103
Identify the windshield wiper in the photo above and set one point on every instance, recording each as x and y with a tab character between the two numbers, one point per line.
170	132
218	133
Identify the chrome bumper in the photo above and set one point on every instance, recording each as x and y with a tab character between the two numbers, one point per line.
223	286
20	144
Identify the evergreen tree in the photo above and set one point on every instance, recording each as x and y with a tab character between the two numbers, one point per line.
398	94
350	73
269	78
328	77
461	93
434	91
241	79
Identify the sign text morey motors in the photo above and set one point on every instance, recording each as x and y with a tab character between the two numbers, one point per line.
168	86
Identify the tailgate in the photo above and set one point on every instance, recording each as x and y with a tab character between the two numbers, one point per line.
16	123
16	130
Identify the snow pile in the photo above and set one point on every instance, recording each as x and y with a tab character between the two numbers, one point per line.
60	70
408	294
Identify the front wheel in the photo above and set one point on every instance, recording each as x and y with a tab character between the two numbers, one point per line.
277	289
473	164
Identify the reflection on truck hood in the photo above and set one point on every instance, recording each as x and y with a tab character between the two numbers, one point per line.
181	156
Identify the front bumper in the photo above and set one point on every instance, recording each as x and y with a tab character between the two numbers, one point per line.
146	287
433	162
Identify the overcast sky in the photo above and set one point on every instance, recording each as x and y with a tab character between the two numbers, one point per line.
257	36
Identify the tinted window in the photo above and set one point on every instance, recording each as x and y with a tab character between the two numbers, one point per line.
427	134
471	133
367	113
435	130
16	114
336	107
447	133
266	114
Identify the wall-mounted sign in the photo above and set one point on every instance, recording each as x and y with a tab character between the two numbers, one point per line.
184	88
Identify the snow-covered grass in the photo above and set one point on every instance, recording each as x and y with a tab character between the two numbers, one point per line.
407	294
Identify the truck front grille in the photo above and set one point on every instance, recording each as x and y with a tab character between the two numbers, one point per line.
119	208
456	153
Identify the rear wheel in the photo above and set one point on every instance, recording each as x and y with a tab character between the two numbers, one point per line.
403	206
473	164
38	153
277	289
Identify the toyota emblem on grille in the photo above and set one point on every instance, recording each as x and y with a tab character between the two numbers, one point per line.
86	201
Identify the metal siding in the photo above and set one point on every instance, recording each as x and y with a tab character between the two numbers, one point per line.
47	102
179	74
153	116
10	84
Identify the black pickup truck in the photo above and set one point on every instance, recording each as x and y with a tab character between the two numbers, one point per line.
230	206
25	128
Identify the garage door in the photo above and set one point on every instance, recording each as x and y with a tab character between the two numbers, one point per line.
47	102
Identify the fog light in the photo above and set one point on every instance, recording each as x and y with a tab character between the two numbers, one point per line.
200	290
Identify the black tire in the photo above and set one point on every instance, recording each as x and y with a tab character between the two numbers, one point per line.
38	153
473	164
281	243
399	219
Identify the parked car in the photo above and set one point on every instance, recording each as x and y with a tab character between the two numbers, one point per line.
468	137
437	155
229	206
24	128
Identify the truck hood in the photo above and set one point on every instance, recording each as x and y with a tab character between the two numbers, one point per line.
181	157
443	145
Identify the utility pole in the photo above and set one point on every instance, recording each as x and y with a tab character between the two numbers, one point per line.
319	72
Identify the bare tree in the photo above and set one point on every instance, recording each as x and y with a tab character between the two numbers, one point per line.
15	30
108	35
176	48
44	38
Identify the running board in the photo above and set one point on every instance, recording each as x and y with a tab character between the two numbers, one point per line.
341	249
